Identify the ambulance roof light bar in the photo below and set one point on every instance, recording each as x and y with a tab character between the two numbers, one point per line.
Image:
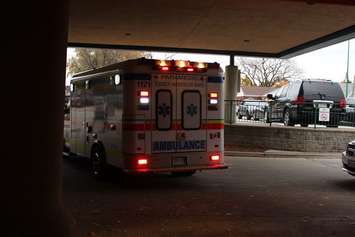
162	63
201	65
180	65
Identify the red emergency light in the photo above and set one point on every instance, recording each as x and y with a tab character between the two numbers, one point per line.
165	68
144	93
213	98
213	95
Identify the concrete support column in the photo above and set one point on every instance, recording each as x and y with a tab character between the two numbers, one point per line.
231	88
353	88
34	66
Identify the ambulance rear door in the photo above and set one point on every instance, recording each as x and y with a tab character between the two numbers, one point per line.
164	113
191	107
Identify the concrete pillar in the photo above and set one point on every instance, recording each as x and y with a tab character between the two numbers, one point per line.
231	88
353	88
32	111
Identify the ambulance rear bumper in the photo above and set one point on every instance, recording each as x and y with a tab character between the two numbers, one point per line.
176	169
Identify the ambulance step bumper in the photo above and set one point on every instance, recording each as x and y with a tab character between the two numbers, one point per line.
176	169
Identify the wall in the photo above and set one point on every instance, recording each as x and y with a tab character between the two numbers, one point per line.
287	138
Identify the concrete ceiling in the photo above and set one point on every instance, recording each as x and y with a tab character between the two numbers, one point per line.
276	28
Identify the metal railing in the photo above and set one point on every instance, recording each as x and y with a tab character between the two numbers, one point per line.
273	113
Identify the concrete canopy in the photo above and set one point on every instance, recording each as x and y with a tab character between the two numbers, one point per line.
275	28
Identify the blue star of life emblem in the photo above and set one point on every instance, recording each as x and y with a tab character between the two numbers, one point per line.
191	110
164	110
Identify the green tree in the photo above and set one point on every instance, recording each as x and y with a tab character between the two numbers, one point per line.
88	59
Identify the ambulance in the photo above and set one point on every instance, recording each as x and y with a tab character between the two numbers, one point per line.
146	115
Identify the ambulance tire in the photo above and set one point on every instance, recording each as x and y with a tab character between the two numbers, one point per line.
66	151
98	162
183	173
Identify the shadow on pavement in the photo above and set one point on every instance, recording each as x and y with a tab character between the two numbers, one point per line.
348	184
116	179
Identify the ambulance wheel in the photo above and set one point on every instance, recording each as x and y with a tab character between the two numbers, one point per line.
98	162
183	173
66	151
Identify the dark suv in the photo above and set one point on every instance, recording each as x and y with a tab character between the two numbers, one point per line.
294	103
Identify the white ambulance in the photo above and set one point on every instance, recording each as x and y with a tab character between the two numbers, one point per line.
148	115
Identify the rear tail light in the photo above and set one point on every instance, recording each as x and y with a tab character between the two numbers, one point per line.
165	68
342	103
142	162
215	157
299	100
190	69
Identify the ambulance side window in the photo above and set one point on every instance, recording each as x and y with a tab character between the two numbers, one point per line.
101	86
163	110
78	95
79	88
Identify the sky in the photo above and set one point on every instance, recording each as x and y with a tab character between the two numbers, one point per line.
325	63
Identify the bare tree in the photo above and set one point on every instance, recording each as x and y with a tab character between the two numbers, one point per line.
268	71
87	59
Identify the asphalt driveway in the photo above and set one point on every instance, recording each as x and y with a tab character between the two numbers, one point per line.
254	197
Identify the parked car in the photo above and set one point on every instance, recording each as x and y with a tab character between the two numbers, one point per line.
294	103
348	158
252	109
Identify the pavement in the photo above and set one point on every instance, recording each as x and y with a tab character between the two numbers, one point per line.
255	197
284	154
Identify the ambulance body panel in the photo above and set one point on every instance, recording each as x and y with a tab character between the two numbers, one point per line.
148	117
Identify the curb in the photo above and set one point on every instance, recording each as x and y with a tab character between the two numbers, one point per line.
284	154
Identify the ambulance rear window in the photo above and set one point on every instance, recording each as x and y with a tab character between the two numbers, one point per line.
191	110
163	110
